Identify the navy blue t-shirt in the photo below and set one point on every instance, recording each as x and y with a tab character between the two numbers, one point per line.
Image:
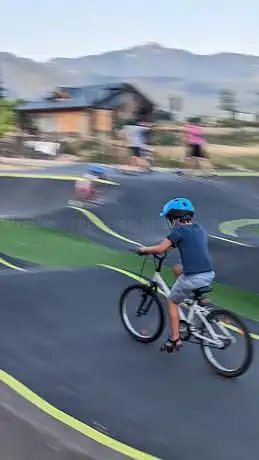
192	242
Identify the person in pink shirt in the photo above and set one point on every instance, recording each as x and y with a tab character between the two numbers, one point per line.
195	143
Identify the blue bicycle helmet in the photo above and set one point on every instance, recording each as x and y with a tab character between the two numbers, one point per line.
179	208
97	170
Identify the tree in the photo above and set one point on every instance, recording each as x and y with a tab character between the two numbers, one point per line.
162	115
6	116
228	102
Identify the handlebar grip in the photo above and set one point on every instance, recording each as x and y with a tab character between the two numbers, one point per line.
138	252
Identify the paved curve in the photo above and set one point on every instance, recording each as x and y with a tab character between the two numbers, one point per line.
217	200
12	263
51	314
135	214
26	197
62	337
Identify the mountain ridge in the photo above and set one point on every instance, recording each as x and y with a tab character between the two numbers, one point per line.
160	71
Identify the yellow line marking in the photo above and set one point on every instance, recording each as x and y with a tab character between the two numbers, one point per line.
143	281
41	176
48	408
239	331
233	328
126	273
82	428
101	181
254	336
56	177
100	224
63	417
230	241
57	414
229	227
10	265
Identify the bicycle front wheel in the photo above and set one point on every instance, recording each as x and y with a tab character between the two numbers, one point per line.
141	313
231	353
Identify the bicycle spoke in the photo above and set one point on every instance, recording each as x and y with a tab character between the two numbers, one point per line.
234	356
141	313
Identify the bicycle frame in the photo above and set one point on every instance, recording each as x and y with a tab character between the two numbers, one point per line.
195	309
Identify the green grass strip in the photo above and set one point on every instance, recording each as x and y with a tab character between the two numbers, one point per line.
53	248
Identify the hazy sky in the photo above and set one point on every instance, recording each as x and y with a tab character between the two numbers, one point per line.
48	28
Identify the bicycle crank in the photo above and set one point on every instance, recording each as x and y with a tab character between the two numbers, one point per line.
184	330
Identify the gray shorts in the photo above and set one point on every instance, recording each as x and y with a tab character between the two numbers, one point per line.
185	284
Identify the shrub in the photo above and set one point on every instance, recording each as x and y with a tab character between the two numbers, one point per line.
163	137
75	147
167	162
232	123
234	138
6	116
89	144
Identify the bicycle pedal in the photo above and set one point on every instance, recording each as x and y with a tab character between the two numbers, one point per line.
168	349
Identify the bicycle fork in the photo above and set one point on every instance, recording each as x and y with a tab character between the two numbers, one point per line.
143	310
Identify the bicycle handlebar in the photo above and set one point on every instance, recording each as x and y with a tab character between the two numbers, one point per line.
156	256
160	257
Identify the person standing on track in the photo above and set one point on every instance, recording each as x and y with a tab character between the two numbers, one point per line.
148	151
136	135
195	144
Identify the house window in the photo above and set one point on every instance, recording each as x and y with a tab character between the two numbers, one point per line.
46	124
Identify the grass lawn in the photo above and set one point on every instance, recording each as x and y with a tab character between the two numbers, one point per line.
255	229
56	249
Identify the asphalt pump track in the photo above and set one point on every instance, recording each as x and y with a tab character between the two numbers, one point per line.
61	336
133	218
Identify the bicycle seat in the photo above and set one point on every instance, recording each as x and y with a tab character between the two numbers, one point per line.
201	291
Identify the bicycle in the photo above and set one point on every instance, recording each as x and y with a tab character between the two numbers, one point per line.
198	324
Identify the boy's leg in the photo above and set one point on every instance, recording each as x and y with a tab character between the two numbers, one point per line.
134	158
204	162
177	270
174	319
137	160
174	342
143	163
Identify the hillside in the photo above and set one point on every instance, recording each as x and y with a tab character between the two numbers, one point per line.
158	70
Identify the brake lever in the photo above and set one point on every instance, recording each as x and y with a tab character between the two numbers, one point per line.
138	252
162	257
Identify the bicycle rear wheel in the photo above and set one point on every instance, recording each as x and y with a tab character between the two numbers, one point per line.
236	344
141	313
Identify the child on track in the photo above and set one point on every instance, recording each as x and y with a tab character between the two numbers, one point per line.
197	270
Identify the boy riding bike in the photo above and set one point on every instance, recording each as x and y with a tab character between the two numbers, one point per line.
196	271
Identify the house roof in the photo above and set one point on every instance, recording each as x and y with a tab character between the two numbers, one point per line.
80	97
102	96
77	98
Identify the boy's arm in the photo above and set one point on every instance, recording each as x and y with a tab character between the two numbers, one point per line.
158	248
